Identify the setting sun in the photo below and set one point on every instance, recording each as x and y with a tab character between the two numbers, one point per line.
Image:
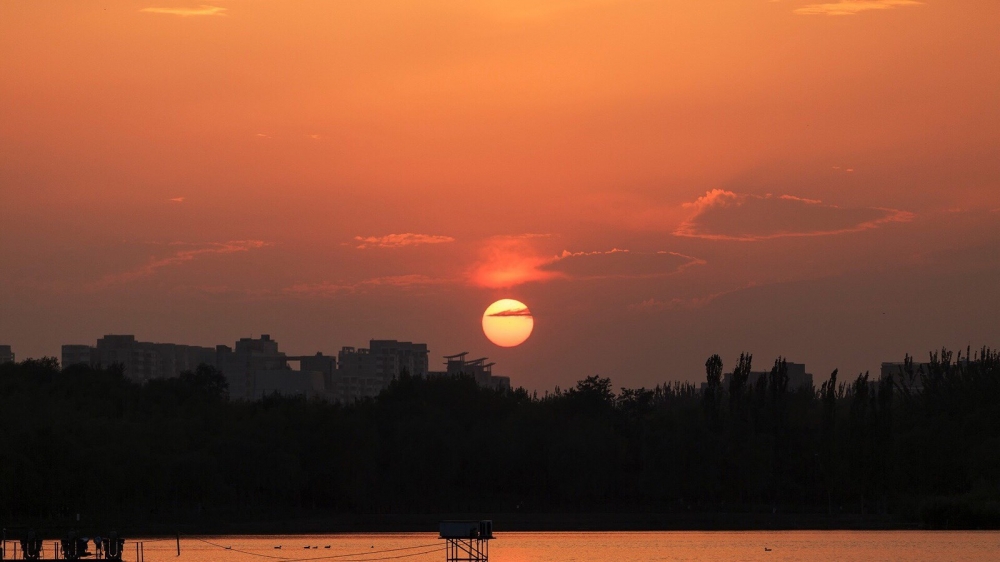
508	322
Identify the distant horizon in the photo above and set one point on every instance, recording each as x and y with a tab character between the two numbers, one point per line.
760	364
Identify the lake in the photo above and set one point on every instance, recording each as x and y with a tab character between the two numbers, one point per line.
866	546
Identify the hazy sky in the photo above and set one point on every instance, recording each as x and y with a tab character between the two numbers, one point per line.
657	180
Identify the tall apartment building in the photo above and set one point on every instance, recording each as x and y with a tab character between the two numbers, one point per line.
393	357
241	365
364	372
6	355
356	377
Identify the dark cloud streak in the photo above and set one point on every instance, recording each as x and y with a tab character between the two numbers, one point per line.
512	312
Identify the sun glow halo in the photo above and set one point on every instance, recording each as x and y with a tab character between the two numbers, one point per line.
508	322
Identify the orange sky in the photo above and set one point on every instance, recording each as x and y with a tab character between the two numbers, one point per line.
657	180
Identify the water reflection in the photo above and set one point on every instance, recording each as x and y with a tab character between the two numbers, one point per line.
770	546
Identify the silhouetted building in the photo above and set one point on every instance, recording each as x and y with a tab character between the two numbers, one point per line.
240	366
288	382
365	372
356	377
901	378
478	369
6	355
798	378
140	361
256	368
78	355
326	365
393	357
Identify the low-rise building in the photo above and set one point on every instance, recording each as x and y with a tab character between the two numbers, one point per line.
325	365
798	378
6	354
73	354
255	367
286	382
903	378
140	361
479	369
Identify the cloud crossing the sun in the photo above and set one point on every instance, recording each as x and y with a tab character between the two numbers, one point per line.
522	311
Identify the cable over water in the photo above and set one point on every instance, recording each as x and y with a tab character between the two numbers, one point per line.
341	557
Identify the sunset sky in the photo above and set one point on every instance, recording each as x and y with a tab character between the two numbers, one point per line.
657	180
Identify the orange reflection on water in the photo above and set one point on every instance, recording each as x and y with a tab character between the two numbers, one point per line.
785	546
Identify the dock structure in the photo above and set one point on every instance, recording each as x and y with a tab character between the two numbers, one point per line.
467	541
29	546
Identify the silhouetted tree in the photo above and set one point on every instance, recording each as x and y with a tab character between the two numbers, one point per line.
713	389
923	448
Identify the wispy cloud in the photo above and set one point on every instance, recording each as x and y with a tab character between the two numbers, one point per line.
568	254
330	289
801	200
400	240
177	258
676	303
408	280
725	215
620	264
851	7
177	199
321	289
203	10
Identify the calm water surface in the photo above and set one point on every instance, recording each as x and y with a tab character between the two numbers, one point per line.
908	546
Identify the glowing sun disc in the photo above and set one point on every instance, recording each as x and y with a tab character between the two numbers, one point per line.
507	322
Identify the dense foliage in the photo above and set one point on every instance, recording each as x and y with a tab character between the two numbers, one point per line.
90	441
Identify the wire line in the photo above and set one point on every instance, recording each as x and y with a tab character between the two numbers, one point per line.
337	556
368	553
241	551
435	549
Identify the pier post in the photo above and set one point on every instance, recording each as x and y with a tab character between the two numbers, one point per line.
467	541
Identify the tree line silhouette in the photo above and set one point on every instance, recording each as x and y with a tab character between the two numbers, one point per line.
89	441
